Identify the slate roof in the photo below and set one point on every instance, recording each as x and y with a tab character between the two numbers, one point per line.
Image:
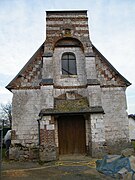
132	116
86	110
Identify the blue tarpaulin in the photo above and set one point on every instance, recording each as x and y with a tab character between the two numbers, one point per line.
111	165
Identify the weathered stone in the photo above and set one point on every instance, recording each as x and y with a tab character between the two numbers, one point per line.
41	84
124	174
127	152
132	162
14	153
24	153
47	153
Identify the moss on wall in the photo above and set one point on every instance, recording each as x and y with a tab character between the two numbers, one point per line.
72	105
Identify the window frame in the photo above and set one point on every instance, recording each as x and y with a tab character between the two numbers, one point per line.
71	68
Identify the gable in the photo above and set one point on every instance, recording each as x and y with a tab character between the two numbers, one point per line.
107	74
30	75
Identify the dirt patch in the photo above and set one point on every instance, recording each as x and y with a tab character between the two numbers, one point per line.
16	173
60	170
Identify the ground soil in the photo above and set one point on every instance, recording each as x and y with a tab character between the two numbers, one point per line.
70	168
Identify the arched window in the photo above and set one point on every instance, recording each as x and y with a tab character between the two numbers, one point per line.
69	64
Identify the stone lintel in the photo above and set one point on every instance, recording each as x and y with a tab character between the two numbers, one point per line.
48	81
92	82
47	54
91	54
96	109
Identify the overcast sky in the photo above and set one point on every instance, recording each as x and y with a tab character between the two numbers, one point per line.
22	31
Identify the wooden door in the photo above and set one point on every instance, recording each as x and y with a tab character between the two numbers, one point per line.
71	134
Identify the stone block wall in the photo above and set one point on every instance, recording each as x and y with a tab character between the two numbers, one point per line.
94	95
97	141
73	80
80	91
46	97
58	22
131	127
90	68
48	149
115	118
47	70
26	107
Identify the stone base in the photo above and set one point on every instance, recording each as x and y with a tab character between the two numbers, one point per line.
47	153
22	153
50	152
98	149
117	146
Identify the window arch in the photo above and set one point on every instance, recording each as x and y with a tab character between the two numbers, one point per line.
69	64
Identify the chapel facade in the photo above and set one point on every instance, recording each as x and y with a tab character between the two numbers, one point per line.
68	98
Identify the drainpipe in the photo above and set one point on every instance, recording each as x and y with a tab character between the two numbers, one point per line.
38	120
39	142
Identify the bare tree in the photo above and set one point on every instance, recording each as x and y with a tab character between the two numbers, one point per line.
6	113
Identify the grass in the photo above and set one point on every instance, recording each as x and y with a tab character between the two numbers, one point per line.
133	144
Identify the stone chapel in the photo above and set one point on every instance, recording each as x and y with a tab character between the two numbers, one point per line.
68	98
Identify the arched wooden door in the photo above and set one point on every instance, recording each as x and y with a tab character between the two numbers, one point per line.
71	135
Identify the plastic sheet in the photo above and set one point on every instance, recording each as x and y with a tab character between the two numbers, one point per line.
111	165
